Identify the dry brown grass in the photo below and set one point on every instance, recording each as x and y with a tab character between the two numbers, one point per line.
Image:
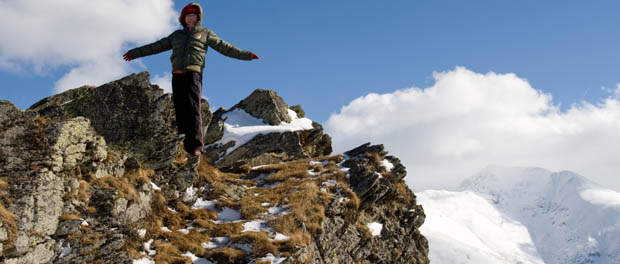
138	176
168	253
124	188
364	231
261	245
251	207
38	136
84	191
7	217
67	217
91	210
227	255
219	181
187	242
298	190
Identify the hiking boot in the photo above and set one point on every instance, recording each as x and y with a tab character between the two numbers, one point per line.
197	152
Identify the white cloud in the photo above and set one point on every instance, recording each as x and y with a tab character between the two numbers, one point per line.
88	37
164	81
467	120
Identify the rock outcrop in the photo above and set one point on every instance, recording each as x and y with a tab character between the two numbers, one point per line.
98	174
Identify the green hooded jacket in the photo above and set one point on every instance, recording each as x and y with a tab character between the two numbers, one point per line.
189	46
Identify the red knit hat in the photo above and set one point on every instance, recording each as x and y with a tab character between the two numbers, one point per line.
192	8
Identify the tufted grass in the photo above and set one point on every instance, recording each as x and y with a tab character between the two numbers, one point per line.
290	186
7	218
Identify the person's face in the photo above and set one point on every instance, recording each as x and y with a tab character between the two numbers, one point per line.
190	20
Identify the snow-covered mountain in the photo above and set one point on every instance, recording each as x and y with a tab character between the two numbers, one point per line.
523	215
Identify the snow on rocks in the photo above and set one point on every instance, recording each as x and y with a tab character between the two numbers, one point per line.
142	233
147	248
245	247
256	226
281	237
272	259
196	260
228	215
65	251
278	211
215	242
155	187
143	261
189	194
375	228
387	164
241	127
204	204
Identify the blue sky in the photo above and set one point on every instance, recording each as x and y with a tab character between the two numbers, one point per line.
448	86
323	54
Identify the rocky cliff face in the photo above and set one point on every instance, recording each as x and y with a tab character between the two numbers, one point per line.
99	175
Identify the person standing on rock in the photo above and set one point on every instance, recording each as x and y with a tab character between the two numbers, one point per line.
189	47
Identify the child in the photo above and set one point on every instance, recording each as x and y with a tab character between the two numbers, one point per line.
189	47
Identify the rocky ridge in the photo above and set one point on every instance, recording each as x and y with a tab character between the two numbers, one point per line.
99	175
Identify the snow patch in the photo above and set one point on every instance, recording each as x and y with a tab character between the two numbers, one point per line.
189	194
278	211
147	248
228	215
387	164
281	237
143	261
142	233
245	247
256	226
273	259
241	127
155	187
196	260
375	228
202	204
215	242
65	251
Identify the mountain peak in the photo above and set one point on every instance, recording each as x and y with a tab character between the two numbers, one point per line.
566	217
99	174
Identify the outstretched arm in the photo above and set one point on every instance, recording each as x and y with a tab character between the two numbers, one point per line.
228	49
150	49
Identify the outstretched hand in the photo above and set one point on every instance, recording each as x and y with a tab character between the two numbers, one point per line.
254	57
127	57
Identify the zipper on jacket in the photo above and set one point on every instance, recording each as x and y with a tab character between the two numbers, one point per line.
187	40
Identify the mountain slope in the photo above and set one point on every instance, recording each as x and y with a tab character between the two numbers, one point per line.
99	175
568	218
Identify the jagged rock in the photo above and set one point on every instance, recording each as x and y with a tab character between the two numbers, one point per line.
68	227
41	253
82	168
265	105
129	113
215	131
298	110
268	106
382	200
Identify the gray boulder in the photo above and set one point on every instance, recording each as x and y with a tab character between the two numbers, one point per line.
271	108
265	105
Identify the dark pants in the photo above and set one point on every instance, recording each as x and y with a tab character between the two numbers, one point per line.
186	95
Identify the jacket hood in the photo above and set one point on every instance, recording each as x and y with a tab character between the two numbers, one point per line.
186	10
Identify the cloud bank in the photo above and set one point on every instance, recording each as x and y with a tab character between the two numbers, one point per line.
467	121
87	37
